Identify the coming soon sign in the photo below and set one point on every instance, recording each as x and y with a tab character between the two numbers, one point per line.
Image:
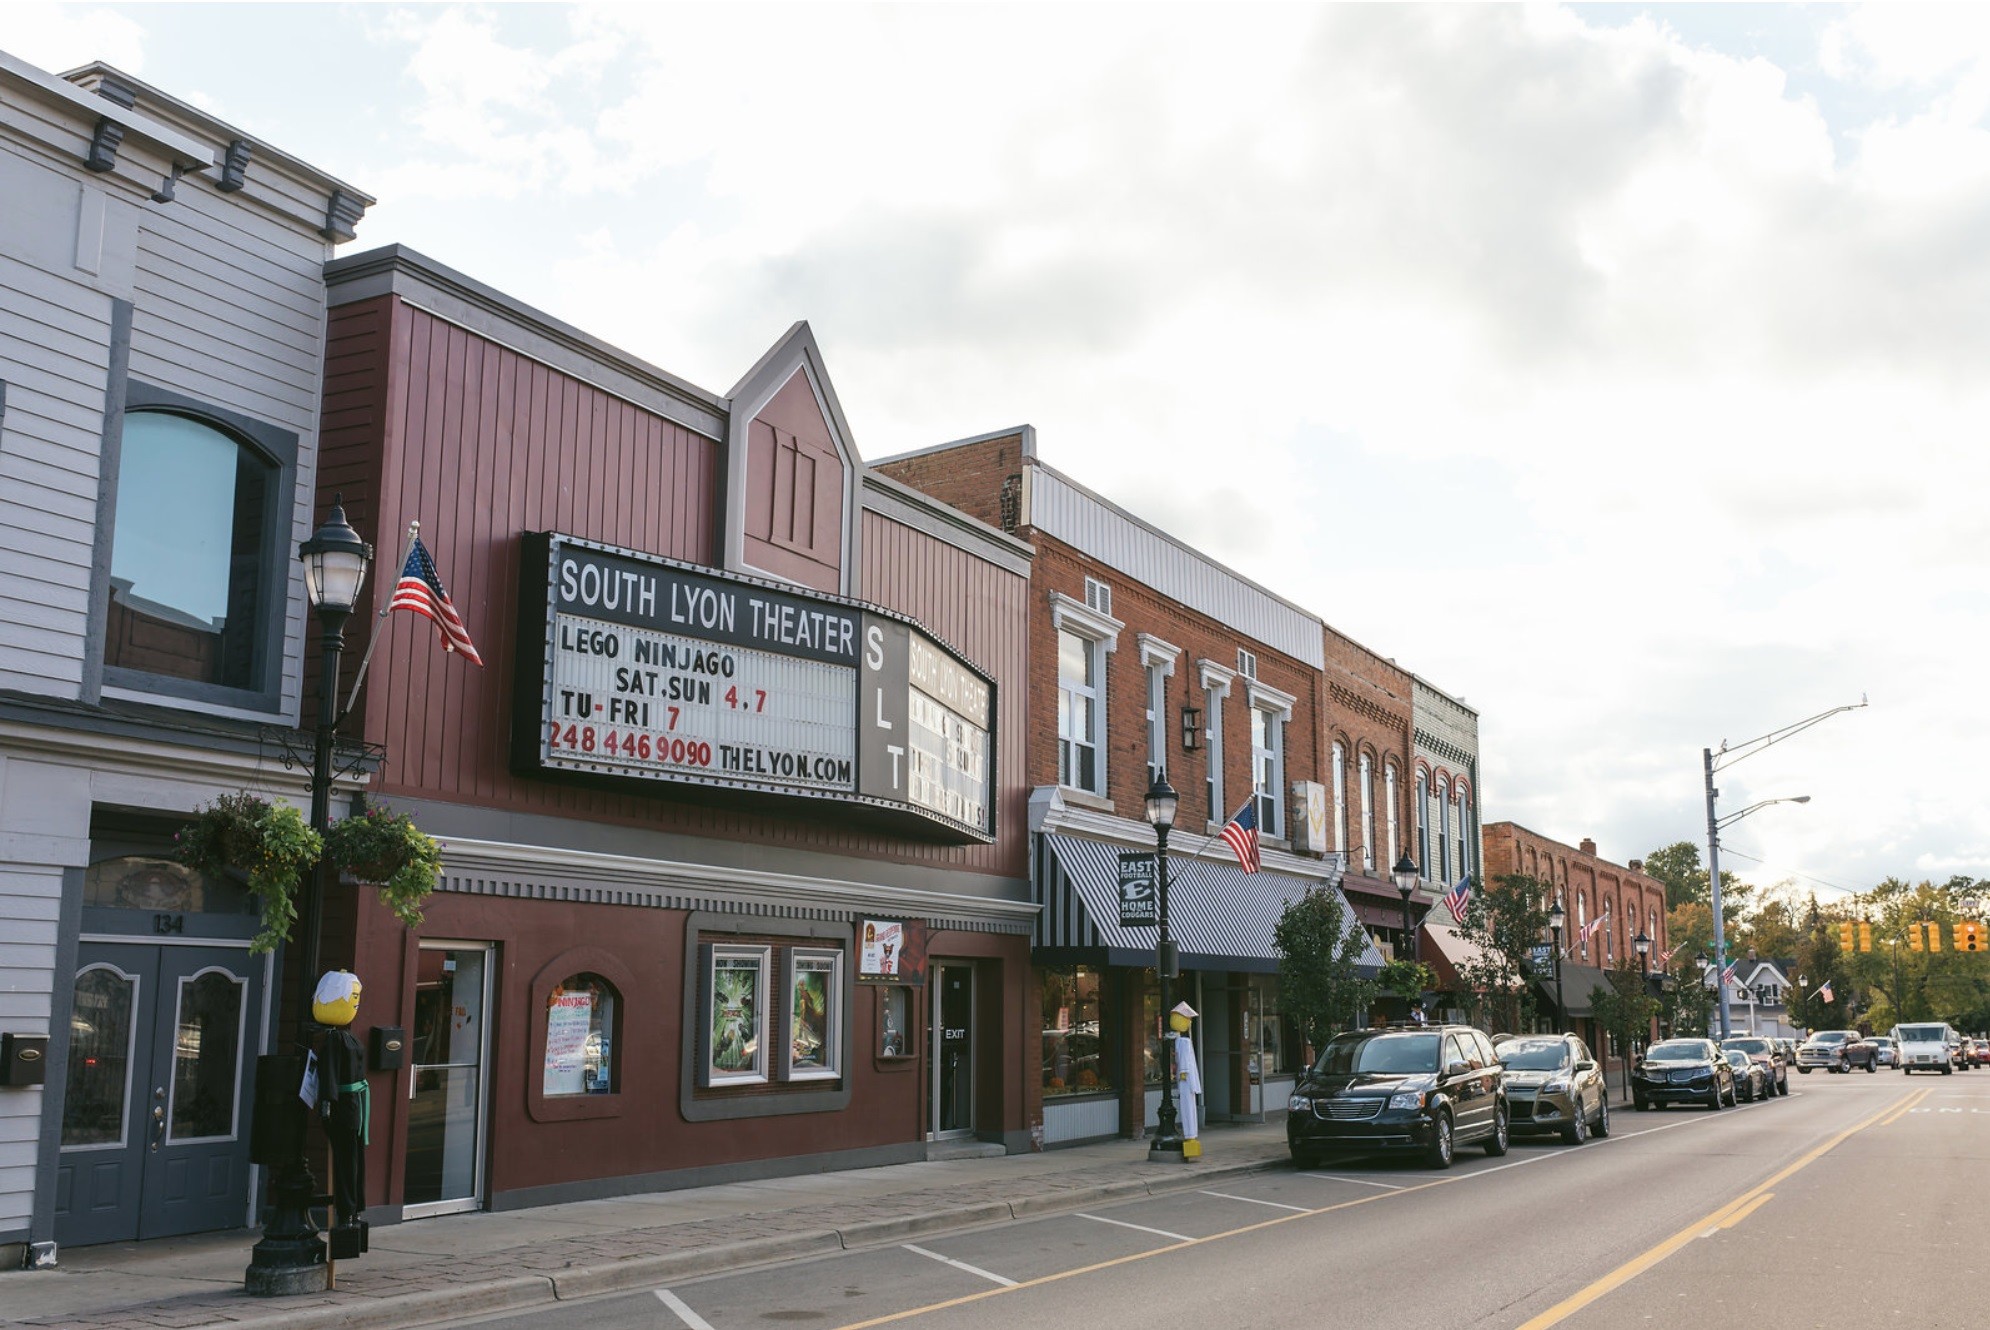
657	671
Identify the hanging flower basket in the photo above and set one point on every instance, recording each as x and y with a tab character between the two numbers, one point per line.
388	851
267	844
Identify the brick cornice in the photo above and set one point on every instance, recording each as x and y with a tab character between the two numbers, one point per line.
1346	697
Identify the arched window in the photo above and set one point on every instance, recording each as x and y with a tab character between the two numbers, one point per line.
1367	813
1444	831
1390	797
1340	798
1582	923
1424	865
580	1037
193	593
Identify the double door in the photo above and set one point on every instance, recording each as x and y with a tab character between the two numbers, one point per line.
155	1114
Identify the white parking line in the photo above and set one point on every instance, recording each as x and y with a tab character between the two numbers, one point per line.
1224	1195
1157	1232
1364	1182
962	1265
684	1314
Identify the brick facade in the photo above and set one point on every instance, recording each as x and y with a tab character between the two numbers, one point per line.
1369	715
1588	884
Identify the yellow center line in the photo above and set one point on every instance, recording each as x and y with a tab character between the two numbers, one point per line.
1748	1209
1907	1107
1734	1210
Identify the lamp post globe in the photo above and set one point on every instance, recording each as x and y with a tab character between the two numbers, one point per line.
1557	917
1161	804
290	1257
1405	876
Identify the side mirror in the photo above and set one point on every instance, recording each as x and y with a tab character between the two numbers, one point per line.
1585	1065
1458	1069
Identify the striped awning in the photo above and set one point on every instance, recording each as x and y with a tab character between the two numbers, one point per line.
1221	917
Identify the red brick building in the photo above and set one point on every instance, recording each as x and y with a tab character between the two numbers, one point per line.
1145	656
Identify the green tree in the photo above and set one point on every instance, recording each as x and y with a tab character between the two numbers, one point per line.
1319	984
1624	1009
1505	920
1678	866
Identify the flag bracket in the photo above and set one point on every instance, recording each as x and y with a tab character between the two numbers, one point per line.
350	757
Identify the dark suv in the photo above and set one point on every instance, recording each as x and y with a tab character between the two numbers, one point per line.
1419	1089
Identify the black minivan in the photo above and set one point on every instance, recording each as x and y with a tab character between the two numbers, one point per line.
1421	1089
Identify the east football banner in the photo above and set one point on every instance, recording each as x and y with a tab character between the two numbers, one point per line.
1139	890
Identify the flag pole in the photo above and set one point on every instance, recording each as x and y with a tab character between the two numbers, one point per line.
373	638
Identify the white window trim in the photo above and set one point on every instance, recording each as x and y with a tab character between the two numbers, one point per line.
757	1074
1421	830
1266	698
1215	680
1339	760
1157	658
1391	795
1102	630
832	1068
1271	790
1366	789
1444	832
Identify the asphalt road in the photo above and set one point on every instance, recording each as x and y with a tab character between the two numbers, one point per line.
1856	1201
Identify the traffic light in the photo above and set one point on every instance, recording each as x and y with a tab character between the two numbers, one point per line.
1935	936
1969	936
1914	937
1845	936
1865	936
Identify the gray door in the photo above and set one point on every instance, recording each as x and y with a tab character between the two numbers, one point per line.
443	1171
953	1048
155	1111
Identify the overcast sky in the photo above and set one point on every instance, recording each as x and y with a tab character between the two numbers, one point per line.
1620	369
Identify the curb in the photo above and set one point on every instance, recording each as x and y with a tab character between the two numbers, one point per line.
588	1281
429	1305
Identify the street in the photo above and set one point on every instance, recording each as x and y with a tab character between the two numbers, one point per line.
1851	1202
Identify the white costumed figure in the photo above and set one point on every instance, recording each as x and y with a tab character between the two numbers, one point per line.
1188	1076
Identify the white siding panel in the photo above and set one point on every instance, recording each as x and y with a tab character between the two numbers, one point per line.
1078	518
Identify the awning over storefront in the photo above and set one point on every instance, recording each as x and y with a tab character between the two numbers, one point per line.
1447	951
1221	917
1578	982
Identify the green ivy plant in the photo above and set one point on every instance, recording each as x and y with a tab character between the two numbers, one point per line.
387	850
268	844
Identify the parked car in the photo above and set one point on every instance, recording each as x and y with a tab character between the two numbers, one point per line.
1979	1052
1764	1050
1888	1052
1958	1050
1789	1047
1750	1082
1682	1071
1553	1084
1821	1050
1424	1091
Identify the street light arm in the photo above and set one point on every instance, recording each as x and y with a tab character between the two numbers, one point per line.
1733	818
1727	755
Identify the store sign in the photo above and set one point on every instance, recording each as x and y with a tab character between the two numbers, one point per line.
655	671
1139	890
891	951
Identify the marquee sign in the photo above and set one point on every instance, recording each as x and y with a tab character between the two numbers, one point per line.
651	670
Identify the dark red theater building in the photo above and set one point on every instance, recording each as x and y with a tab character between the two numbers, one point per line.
735	874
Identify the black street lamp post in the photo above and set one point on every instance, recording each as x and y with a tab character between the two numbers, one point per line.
290	1258
1642	943
1405	875
1557	916
1161	803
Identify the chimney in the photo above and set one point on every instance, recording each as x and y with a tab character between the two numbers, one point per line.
1637	865
1588	847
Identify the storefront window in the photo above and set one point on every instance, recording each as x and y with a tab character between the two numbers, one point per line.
815	1010
895	1023
1150	1027
580	1030
1075	1028
735	1015
1273	1053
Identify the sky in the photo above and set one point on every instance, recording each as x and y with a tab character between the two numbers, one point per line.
1616	368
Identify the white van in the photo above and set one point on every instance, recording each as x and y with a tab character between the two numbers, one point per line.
1924	1047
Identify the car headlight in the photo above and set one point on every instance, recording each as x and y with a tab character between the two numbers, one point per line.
1555	1087
1411	1092
1298	1103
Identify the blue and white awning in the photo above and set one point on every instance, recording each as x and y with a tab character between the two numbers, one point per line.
1221	917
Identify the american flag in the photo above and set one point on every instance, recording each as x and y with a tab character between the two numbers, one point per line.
1727	975
1459	897
1240	833
1590	929
1824	991
420	591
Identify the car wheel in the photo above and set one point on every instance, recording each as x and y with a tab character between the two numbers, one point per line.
1947	1070
1602	1127
1784	1089
1438	1154
1803	1071
1497	1142
1716	1101
1872	1068
1304	1159
1641	1105
1577	1130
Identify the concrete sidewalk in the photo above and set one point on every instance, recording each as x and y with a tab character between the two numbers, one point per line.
459	1265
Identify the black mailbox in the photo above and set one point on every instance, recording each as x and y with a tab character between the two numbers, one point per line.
23	1059
390	1048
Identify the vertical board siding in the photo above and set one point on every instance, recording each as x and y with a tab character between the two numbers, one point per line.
483	444
55	343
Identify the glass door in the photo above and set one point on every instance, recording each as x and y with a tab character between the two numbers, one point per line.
155	1138
444	1170
953	1049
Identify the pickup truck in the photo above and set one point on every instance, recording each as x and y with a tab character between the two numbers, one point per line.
1822	1049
